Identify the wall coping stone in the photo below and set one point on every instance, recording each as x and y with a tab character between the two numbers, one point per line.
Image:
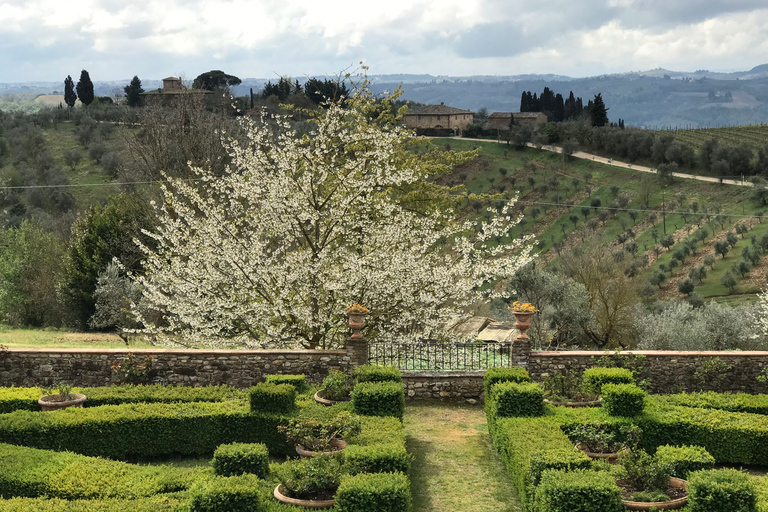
651	353
441	375
182	351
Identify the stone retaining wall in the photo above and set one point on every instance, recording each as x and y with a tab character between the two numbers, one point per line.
238	368
453	386
669	371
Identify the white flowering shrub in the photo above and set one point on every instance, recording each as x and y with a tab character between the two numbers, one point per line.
271	252
114	295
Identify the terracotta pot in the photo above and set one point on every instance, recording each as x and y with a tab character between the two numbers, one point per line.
523	323
319	399
610	458
660	505
593	403
336	444
302	503
48	402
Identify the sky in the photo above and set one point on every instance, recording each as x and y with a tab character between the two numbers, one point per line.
45	40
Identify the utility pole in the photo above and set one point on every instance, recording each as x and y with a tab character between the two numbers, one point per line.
663	213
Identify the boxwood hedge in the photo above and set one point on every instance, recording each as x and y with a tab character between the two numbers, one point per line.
723	490
594	378
375	492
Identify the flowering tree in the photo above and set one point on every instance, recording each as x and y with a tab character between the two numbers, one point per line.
298	227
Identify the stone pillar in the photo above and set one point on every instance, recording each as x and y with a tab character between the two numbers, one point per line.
520	352
357	351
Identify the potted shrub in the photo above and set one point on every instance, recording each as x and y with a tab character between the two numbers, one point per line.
600	442
565	389
310	483
647	483
337	387
61	398
312	437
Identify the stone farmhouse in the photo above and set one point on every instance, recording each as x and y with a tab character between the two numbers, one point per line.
439	117
501	120
172	88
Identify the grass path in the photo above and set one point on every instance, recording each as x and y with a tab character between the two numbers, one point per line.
455	467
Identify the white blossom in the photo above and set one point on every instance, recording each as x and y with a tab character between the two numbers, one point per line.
271	252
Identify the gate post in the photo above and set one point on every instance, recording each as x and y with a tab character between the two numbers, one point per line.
520	352
357	345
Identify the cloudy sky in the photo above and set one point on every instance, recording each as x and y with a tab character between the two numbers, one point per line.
116	39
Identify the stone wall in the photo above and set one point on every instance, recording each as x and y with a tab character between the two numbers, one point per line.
238	368
669	371
444	386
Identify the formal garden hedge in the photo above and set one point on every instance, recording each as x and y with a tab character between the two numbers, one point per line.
550	475
47	460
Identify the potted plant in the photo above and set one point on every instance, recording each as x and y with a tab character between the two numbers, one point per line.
310	483
601	443
647	483
312	437
565	389
60	397
522	312
337	387
356	313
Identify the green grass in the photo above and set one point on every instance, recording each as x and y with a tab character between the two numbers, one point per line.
455	467
59	338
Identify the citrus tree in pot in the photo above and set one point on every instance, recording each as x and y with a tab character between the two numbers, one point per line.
647	483
603	441
314	437
60	397
337	387
310	483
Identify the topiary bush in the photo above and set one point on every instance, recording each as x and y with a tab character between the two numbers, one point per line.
269	397
238	458
578	491
297	381
594	378
685	459
374	492
379	399
623	399
493	375
377	458
722	490
513	399
372	373
226	494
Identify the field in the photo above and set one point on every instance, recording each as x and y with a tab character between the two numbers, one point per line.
755	136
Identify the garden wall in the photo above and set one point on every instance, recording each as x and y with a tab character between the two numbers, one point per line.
669	371
238	368
446	386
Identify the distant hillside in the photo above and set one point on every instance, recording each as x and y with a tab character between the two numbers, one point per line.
658	98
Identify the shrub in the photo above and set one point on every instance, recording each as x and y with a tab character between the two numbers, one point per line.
602	438
578	491
723	490
297	381
493	375
734	402
623	399
238	458
685	459
513	399
377	458
226	494
645	472
305	478
380	492
565	386
594	378
316	435
649	496
372	373
337	385
379	399
268	397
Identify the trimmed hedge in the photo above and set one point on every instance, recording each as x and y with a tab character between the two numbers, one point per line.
144	430
623	399
226	494
162	503
376	492
297	381
238	458
29	472
377	458
685	459
494	375
733	402
594	378
269	397
372	373
513	399
722	490
578	491
379	399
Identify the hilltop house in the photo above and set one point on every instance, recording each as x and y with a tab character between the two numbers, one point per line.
501	120
172	87
439	118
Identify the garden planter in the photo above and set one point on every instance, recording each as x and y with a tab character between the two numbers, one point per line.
523	323
591	403
660	505
49	402
610	458
302	503
319	399
336	444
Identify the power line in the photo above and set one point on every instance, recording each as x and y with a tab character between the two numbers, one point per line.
111	184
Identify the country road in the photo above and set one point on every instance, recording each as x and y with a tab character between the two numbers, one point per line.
616	163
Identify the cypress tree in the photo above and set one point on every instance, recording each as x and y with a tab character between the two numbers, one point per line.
133	92
85	88
598	112
70	97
